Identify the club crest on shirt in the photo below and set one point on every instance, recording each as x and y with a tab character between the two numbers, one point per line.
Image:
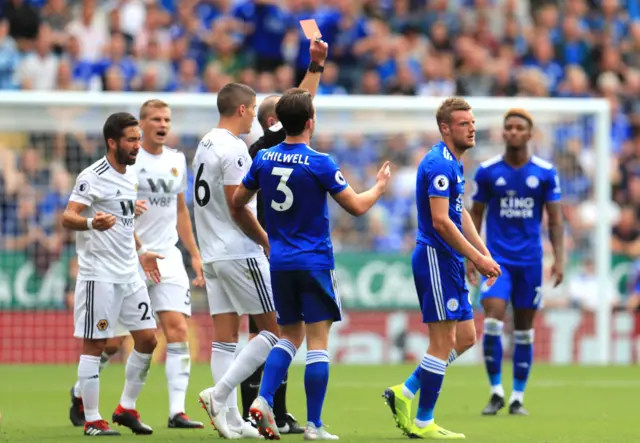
102	325
532	181
174	172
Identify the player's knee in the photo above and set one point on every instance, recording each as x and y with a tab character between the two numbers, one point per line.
111	349
465	341
442	342
177	333
294	333
113	345
145	341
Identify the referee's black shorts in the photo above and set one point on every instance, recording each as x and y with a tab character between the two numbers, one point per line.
253	328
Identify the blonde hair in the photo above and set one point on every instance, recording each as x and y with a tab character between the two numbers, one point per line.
151	104
519	112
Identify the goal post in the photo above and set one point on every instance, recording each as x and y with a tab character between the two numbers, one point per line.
369	116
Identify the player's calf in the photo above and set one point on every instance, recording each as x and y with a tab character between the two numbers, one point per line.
136	372
177	368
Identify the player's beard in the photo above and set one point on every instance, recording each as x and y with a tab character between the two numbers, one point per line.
123	157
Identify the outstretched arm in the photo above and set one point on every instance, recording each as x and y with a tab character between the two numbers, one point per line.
359	204
311	80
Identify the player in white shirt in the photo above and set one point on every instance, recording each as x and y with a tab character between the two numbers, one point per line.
233	247
109	288
163	217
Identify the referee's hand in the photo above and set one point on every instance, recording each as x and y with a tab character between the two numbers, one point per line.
318	49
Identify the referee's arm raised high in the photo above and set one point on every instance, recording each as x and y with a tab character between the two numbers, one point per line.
273	132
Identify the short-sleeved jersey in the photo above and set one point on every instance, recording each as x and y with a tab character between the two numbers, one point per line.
108	256
161	178
294	181
271	137
222	159
515	199
440	174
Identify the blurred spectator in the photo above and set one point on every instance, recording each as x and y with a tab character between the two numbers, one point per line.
9	58
39	69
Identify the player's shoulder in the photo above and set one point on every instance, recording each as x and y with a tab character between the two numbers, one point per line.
95	171
493	162
541	163
173	153
438	159
317	154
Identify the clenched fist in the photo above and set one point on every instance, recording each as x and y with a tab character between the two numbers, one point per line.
102	221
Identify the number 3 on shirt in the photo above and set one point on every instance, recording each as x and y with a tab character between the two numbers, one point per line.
284	174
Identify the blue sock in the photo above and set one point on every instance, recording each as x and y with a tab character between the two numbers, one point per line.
492	348
431	377
276	367
522	358
413	382
316	379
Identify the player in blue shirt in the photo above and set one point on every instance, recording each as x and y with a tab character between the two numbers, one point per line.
446	235
294	181
514	189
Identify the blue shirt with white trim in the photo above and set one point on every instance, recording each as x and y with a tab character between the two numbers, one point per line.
515	199
294	181
440	174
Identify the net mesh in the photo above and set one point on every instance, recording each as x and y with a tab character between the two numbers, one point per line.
43	148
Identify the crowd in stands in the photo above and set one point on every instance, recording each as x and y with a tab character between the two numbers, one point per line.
436	48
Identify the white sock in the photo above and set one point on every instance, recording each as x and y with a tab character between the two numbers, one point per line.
104	359
497	389
135	374
89	381
177	369
249	359
407	393
517	396
222	357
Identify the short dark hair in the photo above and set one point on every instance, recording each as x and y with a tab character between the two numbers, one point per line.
448	107
116	124
266	109
231	96
294	109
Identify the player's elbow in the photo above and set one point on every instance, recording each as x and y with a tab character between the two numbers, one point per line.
66	220
439	224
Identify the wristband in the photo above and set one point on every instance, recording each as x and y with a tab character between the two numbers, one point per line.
90	223
315	67
142	251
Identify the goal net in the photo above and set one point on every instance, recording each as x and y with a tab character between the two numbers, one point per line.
46	139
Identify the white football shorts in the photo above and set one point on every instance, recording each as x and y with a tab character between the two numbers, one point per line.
173	293
242	286
102	307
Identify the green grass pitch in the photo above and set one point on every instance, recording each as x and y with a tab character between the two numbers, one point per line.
568	404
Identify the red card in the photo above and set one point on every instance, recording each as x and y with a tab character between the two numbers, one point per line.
310	29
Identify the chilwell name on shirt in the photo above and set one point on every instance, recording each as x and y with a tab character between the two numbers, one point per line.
287	158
